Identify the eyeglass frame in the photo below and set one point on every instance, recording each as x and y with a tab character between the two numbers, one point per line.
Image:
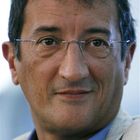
79	42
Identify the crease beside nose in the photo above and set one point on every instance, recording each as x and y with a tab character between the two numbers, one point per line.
73	67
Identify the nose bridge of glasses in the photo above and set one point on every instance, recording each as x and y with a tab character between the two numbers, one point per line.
79	44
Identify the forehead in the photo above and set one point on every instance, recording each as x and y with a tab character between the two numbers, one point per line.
74	14
71	6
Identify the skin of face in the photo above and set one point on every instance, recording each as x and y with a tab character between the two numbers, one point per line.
71	95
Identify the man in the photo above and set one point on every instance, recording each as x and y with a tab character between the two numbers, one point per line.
72	59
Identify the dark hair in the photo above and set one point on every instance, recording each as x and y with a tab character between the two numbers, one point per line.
16	21
126	22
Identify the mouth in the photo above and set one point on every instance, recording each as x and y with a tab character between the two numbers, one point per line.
73	94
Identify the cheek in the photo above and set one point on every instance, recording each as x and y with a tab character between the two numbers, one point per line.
101	70
108	75
34	77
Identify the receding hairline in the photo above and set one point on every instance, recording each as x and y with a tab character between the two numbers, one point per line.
85	3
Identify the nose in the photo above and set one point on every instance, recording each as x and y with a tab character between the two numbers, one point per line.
73	67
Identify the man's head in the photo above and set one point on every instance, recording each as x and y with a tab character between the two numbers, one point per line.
70	65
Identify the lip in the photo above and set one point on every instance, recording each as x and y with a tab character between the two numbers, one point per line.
73	94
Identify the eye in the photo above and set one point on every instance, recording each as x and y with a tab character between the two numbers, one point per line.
49	42
97	43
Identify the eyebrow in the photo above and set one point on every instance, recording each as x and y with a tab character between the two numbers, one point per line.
54	29
51	29
94	30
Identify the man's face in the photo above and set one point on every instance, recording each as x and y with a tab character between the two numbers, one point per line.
70	91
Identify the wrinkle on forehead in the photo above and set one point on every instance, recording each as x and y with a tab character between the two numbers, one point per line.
68	16
76	5
84	3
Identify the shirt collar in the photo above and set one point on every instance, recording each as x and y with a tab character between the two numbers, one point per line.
101	135
33	136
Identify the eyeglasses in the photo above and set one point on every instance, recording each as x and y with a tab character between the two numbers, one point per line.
96	47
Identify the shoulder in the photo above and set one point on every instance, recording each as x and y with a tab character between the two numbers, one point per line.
124	127
133	132
24	136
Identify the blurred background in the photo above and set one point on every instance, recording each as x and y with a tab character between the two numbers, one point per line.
15	118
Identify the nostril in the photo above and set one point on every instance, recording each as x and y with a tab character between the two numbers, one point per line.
73	71
73	75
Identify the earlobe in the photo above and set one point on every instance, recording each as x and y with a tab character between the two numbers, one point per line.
8	53
128	60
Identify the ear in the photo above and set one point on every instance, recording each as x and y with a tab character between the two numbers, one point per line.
8	53
128	60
